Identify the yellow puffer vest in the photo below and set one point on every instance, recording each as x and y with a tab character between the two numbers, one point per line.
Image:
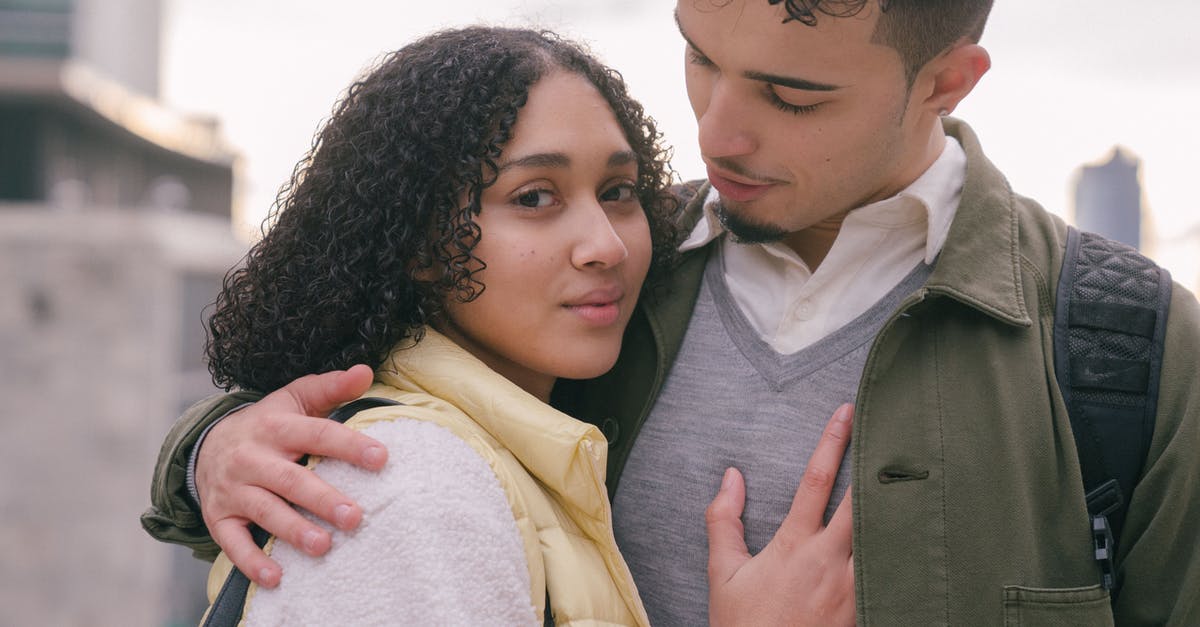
550	465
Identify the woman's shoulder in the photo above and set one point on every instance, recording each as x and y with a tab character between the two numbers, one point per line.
424	459
438	539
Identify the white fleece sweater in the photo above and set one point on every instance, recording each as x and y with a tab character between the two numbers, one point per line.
437	546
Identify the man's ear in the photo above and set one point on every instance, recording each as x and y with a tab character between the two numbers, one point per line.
953	74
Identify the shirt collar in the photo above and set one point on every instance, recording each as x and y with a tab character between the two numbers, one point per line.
936	191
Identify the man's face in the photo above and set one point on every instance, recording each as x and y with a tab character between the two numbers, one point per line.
798	124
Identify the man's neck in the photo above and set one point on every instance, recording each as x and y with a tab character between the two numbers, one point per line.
814	243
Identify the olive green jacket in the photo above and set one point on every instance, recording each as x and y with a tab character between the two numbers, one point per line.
968	500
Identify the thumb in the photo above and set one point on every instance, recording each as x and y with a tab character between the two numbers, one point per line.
726	536
319	394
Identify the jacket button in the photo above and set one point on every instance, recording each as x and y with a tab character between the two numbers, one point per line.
611	430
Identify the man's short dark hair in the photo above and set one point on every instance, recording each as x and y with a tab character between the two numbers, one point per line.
918	29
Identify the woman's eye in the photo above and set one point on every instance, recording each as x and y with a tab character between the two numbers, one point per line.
535	198
618	193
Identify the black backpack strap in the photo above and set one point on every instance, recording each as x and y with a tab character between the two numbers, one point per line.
227	607
1109	330
345	412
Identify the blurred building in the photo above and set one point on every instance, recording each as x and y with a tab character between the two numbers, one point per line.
1108	199
115	230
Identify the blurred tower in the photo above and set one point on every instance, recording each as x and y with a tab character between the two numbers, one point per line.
1108	199
115	230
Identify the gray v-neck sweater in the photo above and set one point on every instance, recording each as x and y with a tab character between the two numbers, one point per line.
731	400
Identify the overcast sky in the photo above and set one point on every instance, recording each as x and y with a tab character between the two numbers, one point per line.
1070	79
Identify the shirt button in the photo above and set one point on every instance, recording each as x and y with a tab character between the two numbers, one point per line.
803	311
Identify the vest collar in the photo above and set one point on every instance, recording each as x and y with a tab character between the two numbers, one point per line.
565	454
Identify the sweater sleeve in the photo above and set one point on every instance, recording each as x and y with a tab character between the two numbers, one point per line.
438	543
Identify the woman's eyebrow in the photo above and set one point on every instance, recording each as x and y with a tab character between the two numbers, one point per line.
538	160
622	157
561	160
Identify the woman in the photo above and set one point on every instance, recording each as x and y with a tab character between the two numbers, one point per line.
475	222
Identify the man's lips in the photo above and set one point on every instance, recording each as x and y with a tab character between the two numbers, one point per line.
737	190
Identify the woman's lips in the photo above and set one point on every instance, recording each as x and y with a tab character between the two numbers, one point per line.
734	190
599	314
600	306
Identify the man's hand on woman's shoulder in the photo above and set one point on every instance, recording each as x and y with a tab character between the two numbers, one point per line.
246	470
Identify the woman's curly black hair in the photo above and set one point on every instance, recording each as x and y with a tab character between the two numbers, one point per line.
377	201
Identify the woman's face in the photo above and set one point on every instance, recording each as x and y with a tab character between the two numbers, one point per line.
565	241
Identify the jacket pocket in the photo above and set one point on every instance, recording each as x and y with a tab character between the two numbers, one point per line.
1065	607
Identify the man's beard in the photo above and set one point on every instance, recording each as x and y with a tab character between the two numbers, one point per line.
747	231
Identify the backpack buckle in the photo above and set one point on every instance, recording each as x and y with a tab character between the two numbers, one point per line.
1102	501
1102	545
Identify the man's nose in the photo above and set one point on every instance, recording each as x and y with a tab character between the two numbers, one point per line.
726	125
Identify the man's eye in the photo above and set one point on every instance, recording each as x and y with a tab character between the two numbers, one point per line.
535	198
695	58
788	107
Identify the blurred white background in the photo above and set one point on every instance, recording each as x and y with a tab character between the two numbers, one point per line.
1070	80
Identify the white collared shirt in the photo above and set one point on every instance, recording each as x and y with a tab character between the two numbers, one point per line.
792	307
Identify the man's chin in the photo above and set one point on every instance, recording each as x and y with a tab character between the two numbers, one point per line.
745	230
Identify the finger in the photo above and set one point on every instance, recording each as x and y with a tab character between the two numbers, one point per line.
839	530
298	485
327	438
850	613
726	536
318	394
283	521
812	497
234	538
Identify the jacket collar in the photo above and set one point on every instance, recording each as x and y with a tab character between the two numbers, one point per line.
565	454
980	264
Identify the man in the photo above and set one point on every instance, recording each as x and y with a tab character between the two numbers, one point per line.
854	246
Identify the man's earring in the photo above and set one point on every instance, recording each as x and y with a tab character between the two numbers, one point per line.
943	112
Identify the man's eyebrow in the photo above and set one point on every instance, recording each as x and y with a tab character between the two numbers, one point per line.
774	79
793	83
687	39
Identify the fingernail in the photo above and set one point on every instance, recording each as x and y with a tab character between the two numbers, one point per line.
842	414
374	456
267	577
310	540
728	480
341	515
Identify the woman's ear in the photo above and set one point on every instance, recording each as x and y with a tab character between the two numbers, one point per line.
953	74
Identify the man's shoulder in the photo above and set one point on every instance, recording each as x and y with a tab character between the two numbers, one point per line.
691	196
687	190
